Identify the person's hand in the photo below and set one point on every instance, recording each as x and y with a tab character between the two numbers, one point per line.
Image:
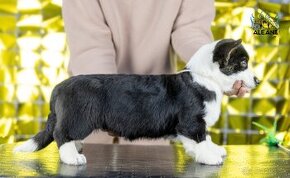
238	89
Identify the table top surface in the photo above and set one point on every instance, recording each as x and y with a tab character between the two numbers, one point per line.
146	161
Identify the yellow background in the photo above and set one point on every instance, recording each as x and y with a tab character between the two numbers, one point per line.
34	57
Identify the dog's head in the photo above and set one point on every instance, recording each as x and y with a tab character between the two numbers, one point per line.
232	59
224	61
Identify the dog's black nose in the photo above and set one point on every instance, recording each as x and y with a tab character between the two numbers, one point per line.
257	81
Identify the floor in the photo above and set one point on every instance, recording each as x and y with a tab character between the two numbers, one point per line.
146	161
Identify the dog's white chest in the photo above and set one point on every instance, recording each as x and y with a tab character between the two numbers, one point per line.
212	111
212	108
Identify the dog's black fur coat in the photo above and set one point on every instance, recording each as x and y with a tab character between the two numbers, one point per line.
131	106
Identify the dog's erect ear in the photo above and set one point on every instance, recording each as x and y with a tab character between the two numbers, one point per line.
224	49
235	45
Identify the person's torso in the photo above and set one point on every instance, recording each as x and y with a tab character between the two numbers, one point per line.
141	32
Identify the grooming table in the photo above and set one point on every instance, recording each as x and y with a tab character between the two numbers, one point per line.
146	161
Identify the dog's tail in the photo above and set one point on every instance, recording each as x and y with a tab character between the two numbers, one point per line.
42	139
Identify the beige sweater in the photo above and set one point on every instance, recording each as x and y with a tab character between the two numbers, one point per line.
134	36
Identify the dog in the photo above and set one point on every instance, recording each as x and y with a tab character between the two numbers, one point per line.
179	106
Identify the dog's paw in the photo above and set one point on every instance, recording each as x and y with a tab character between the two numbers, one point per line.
209	159
222	151
69	154
77	159
204	153
28	146
218	150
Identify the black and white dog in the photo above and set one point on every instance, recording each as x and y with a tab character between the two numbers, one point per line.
181	105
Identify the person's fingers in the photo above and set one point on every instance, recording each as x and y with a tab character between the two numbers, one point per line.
233	92
242	91
238	89
237	85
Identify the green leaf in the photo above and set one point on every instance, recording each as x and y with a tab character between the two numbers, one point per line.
261	126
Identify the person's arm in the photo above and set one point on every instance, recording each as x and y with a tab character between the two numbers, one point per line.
89	38
192	27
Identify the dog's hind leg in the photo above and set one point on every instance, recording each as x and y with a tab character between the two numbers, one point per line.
73	124
67	149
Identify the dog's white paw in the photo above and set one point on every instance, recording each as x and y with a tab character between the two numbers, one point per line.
77	159
209	159
205	154
69	154
218	150
222	151
28	146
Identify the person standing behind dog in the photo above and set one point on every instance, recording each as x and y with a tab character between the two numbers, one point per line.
135	36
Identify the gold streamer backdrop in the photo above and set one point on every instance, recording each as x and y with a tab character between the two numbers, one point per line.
34	58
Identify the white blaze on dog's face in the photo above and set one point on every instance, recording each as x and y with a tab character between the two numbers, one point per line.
224	61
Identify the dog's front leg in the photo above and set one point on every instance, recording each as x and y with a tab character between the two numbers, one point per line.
203	151
192	133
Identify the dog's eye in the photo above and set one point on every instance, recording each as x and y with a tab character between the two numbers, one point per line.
244	63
